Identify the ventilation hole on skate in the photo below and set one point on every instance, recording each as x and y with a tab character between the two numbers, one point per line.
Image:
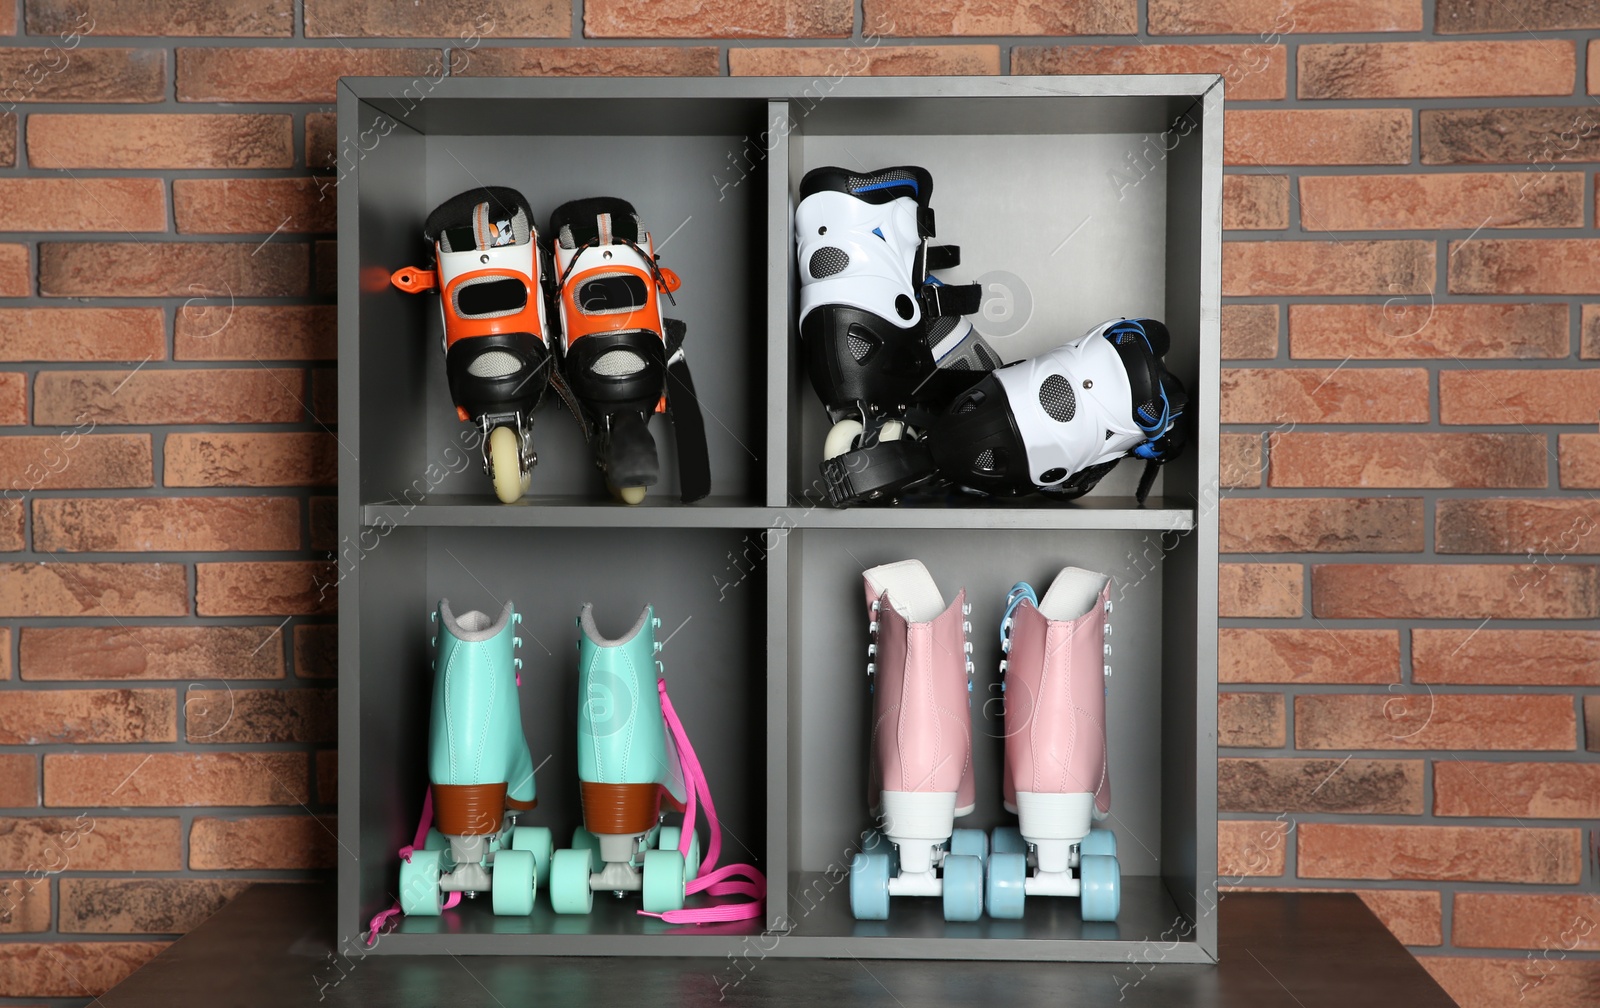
827	261
972	401
879	178
987	360
566	239
990	460
612	294
1055	395
960	365
617	364
1149	413
941	327
1050	476
859	347
494	364
904	307
490	298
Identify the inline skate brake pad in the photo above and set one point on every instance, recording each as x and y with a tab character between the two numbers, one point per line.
875	472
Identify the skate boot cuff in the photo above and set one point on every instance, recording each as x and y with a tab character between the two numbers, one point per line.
471	220
598	220
473	626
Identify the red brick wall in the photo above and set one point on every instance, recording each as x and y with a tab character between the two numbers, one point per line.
1409	400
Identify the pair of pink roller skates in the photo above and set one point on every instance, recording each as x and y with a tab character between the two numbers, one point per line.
1056	654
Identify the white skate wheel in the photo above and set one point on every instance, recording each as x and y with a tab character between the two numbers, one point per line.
841	438
505	465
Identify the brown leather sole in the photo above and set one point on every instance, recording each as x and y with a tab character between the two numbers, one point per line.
472	809
620	809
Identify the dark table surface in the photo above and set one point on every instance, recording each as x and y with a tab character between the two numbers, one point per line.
274	945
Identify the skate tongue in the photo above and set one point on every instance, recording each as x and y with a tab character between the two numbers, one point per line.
1072	594
911	590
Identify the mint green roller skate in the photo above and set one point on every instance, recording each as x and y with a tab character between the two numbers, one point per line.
481	775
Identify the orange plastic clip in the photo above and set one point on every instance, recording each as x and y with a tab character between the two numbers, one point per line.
670	279
413	280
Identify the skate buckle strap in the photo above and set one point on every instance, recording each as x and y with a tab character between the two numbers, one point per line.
925	226
939	257
714	881
940	299
694	460
418	840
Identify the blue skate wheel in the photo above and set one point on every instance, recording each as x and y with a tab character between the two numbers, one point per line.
973	842
569	882
1099	841
963	888
1008	840
538	841
1102	887
869	886
663	881
512	883
669	837
583	840
1007	878
419	884
877	842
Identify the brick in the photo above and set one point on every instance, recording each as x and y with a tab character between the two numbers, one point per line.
1384	460
1240	461
1427	331
316	651
80	716
1250	72
1325	395
130	780
171	652
1251	848
1525	266
1439	853
1259	589
1321	525
15	273
1250	720
193	270
258	206
580	61
952	17
1541	790
257	74
1296	268
93	589
325	269
1424	719
879	61
1435	69
1506	657
262	842
327	769
1460	16
83	334
323	523
1589	343
1592	79
325	396
256	332
142	906
160	141
24	905
175	524
235	395
1316	137
71	969
82	204
259	715
13	398
1413	916
322	139
1255	203
1556	921
222	458
1262	18
12	536
1429	202
1249	332
1367	786
1591	723
1551	982
467	20
86	842
265	588
73	461
1455	591
1313	655
8	140
1519	397
19	780
1579	456
698	20
82	74
165	17
1534	139
1543	526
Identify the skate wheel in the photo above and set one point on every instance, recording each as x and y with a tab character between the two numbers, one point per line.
1099	841
1007	879
538	841
663	881
1008	840
583	840
1102	887
435	841
512	882
869	886
505	465
569	881
630	495
841	438
963	888
877	842
668	840
971	842
892	430
419	884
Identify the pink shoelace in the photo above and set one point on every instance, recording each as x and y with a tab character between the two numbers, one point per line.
417	841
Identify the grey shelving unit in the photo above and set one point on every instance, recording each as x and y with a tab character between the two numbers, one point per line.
1074	198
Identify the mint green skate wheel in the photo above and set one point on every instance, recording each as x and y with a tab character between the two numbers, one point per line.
1007	878
569	881
973	842
1102	887
869	886
419	884
512	883
1008	840
583	840
663	881
668	840
1099	841
435	840
538	841
963	887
